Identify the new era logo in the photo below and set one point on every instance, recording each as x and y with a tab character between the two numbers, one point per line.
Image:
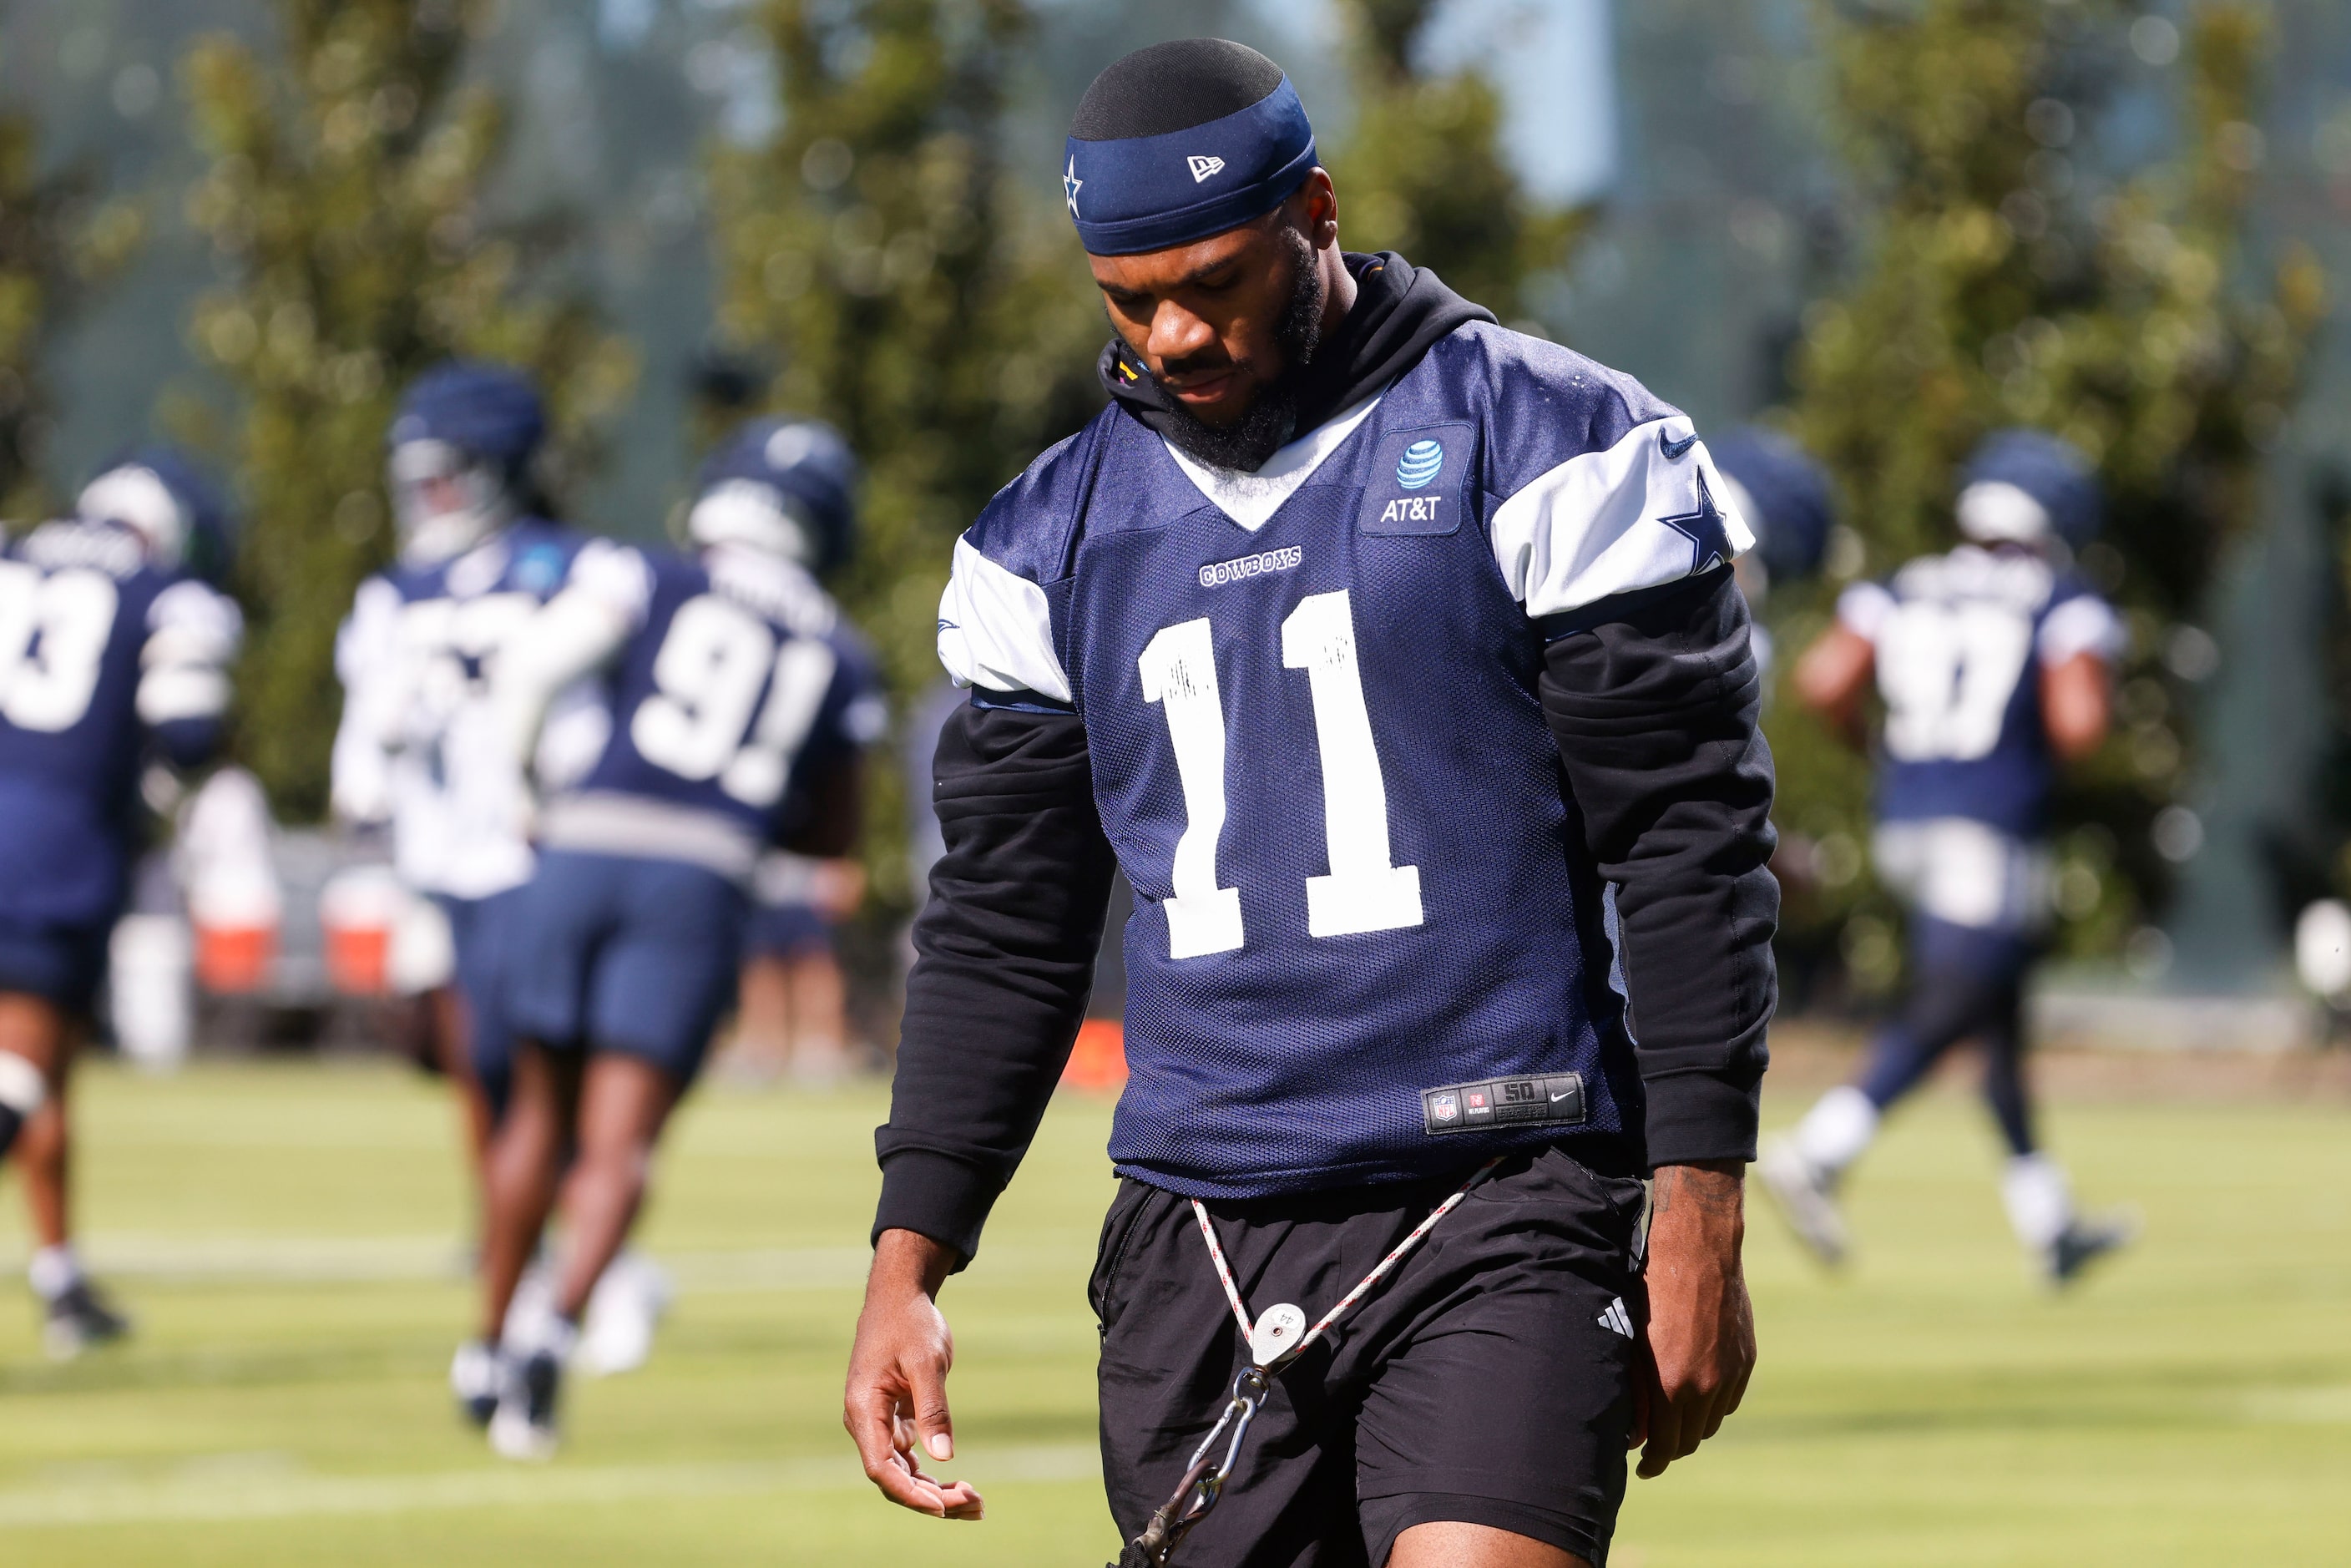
1616	1320
1204	167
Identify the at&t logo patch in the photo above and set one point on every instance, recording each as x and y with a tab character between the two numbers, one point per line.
1417	484
1411	509
1422	462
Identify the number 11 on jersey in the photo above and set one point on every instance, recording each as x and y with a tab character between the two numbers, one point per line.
1365	891
1179	671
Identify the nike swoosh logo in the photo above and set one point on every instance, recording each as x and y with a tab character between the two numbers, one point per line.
1674	449
1556	1098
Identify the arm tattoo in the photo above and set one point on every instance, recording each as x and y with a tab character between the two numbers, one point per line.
1713	1190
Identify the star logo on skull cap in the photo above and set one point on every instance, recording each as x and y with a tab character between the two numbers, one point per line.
1070	185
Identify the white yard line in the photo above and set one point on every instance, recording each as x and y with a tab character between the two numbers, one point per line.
390	1259
211	1495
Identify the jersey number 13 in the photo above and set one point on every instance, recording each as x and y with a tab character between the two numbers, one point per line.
52	636
1365	890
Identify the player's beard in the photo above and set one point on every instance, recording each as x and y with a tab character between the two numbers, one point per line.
1271	419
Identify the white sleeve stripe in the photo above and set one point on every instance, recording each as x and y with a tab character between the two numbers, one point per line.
182	690
365	642
2083	625
615	576
1863	609
1593	527
187	646
193	616
997	631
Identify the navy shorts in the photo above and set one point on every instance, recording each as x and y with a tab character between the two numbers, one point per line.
63	964
784	931
482	932
617	953
1488	1381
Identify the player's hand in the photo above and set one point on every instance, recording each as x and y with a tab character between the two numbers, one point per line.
896	1407
1700	1342
840	888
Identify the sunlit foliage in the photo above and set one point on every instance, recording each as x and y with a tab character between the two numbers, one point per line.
56	243
344	202
909	285
1422	172
2010	276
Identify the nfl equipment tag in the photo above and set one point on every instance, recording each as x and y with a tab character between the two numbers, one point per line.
1554	1100
1277	1334
1416	480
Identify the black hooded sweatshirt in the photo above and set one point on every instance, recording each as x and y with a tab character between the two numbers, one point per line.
1400	310
1655	713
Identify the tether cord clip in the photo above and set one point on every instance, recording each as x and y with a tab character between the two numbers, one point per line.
1271	1354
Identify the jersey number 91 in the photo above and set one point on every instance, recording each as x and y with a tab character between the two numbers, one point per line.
704	720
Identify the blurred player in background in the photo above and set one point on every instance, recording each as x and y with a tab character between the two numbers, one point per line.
1995	664
419	748
114	653
740	707
1788	501
792	1012
1786	498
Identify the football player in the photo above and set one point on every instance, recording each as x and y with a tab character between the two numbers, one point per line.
1995	664
114	654
741	703
1786	499
1397	659
792	1009
418	747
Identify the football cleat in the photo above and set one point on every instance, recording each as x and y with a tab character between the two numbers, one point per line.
1807	1196
2083	1242
473	1379
534	1299
80	1318
524	1425
622	1313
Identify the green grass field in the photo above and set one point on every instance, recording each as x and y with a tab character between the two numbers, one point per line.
287	1235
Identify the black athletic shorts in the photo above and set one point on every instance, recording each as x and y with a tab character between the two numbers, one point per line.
1487	1380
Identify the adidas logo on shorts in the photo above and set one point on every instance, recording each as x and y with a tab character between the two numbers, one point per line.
1616	1319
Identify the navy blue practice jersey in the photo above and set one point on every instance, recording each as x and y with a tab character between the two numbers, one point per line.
1367	937
739	682
1961	642
419	745
105	661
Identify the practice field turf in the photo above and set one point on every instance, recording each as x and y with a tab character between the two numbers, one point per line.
287	1235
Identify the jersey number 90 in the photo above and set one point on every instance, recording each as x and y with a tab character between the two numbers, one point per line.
699	722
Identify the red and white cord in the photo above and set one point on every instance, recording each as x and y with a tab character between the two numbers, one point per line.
1347	1302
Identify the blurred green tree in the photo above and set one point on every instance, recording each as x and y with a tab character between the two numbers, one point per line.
344	202
58	242
2007	279
915	291
1422	172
